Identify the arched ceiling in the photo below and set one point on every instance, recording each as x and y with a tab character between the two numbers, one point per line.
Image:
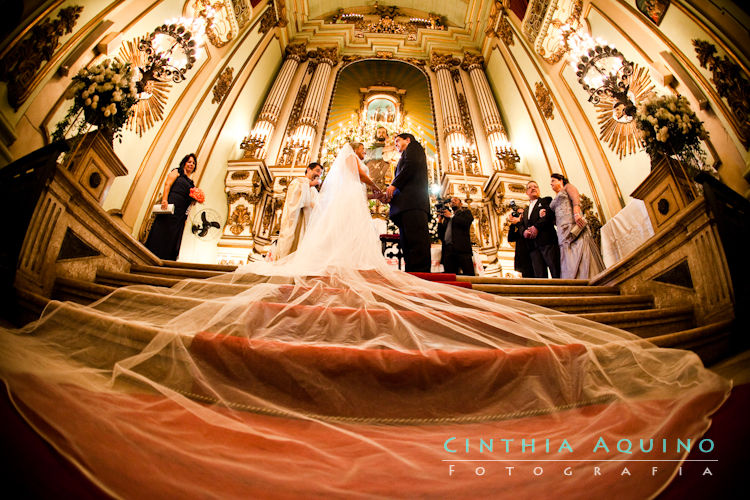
455	11
417	104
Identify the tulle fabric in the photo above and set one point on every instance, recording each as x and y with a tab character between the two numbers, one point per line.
328	374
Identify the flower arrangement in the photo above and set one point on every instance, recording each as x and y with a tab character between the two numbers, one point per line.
105	94
197	195
668	127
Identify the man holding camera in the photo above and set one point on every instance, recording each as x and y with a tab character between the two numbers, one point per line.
454	225
536	226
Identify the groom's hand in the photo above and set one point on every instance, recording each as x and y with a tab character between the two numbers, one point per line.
389	193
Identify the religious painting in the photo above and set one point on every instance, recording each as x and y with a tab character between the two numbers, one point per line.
381	110
653	9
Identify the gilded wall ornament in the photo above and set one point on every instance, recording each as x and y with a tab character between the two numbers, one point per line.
496	11
442	61
616	128
731	84
505	31
296	109
561	21
21	63
534	20
297	51
516	188
240	175
468	125
223	84
269	20
239	219
544	101
242	12
472	61
328	55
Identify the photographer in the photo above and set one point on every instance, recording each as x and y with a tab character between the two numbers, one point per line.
454	224
522	257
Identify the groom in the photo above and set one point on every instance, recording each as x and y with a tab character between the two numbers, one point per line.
410	203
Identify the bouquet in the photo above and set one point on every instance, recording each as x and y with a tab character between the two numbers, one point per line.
105	94
197	195
668	127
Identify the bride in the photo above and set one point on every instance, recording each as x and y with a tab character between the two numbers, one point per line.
329	374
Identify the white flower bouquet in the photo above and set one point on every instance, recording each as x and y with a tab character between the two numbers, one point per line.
668	127
104	94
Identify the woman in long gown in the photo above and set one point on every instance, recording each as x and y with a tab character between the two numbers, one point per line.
579	255
165	237
328	374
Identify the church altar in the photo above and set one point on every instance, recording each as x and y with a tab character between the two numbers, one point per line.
625	232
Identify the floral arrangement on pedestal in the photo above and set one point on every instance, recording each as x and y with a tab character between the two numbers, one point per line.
668	127
105	95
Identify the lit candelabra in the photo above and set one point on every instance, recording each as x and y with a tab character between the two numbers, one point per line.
507	156
252	145
466	157
297	148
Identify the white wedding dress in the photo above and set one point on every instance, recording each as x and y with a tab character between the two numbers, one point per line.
328	374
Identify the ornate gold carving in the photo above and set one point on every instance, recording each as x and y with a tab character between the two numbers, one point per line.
269	19
223	84
561	21
239	219
240	175
22	62
616	128
595	225
535	14
328	55
296	51
242	12
731	84
516	188
442	61
383	54
463	107
297	109
496	10
472	61
281	11
544	100
505	31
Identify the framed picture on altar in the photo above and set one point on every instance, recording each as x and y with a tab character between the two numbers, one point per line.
653	9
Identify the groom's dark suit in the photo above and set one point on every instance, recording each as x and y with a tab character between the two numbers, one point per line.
410	208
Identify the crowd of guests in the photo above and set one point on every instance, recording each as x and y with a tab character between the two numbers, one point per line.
551	235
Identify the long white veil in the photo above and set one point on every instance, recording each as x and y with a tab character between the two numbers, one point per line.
328	374
339	235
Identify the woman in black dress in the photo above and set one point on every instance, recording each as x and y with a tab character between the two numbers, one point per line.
165	236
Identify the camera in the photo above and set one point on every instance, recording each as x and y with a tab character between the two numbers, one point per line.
514	208
442	204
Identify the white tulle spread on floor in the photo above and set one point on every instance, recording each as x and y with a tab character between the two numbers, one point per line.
328	374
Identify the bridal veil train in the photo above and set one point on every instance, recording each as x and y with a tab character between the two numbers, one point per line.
327	374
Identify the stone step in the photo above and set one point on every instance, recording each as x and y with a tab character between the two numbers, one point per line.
647	323
711	342
487	280
117	279
579	304
546	290
174	272
198	266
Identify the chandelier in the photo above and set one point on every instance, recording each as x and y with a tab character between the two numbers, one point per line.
219	21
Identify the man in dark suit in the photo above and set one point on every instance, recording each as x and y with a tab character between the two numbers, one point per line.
537	226
522	256
454	231
410	203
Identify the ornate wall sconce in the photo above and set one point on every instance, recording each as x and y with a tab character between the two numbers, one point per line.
604	72
170	52
297	148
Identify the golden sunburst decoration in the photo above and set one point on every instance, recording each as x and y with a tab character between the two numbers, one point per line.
616	128
153	97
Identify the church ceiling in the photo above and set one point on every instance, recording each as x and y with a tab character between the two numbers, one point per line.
455	11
